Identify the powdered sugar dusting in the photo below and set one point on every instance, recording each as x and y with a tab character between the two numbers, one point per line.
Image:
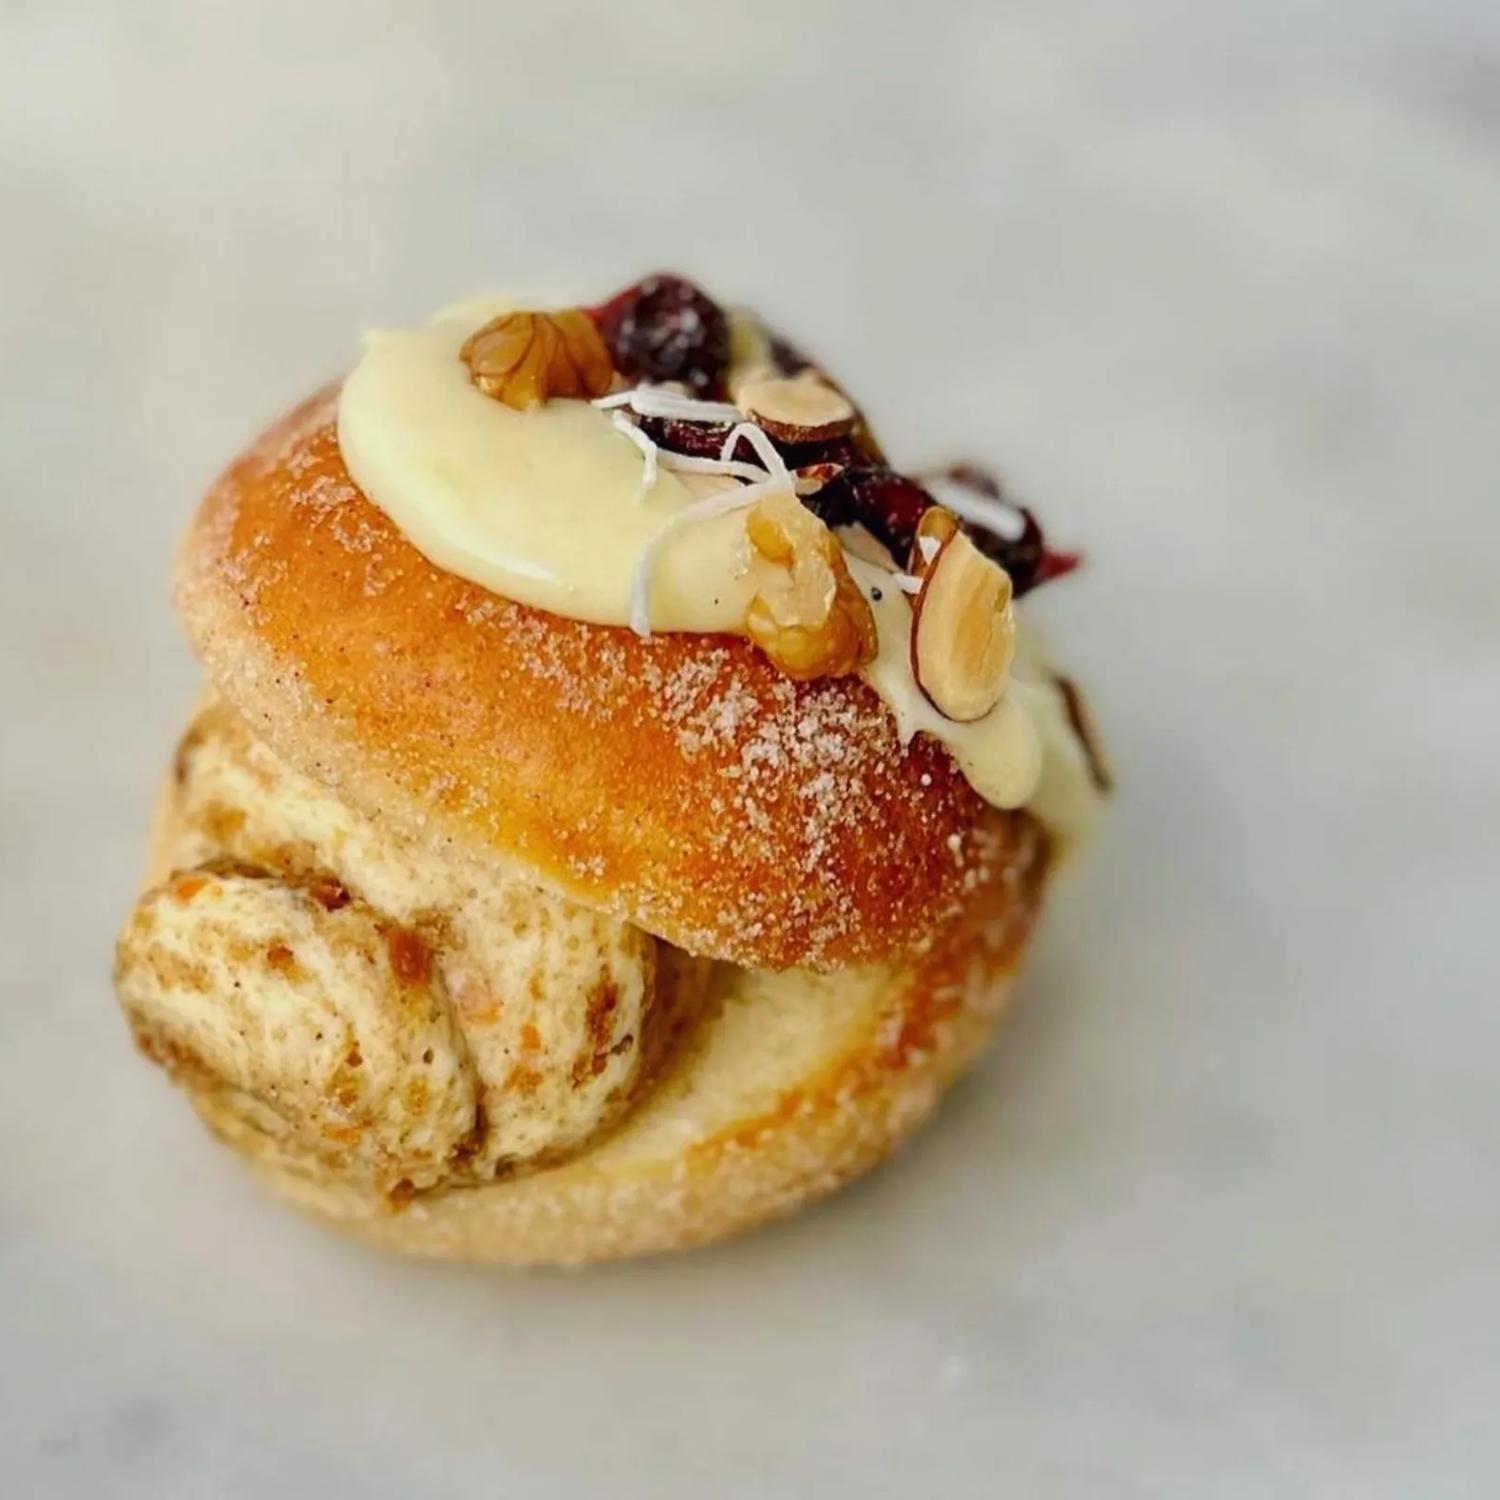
680	782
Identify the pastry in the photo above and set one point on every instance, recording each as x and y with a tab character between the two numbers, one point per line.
619	800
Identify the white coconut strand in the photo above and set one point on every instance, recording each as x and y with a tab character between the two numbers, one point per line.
691	463
654	401
623	425
998	516
757	438
700	510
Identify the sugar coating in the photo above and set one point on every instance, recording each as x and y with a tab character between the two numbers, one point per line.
679	782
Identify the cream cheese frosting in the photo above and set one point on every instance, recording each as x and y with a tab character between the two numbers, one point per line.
557	507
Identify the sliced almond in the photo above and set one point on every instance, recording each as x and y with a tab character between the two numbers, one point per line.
801	408
962	633
934	531
810	478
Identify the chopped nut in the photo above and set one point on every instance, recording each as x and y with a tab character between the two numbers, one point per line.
526	358
934	531
802	408
963	633
812	621
768	535
810	478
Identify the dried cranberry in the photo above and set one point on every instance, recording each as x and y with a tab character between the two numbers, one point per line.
887	504
699	439
706	440
1056	565
839	450
703	440
1027	558
831	503
665	328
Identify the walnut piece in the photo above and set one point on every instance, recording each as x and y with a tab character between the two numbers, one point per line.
526	358
963	631
811	618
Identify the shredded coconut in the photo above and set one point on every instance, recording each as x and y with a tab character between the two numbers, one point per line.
623	425
687	463
701	510
773	461
1004	520
655	401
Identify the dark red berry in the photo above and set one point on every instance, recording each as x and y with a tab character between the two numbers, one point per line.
706	440
888	505
665	328
1027	558
840	450
699	439
1056	565
831	503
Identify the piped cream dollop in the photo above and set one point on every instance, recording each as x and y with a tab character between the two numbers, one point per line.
543	506
548	507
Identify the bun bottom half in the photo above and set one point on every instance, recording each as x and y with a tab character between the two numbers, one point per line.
790	1086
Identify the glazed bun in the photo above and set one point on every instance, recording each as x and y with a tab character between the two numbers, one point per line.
679	783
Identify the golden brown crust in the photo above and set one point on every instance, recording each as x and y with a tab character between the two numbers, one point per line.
779	1133
681	782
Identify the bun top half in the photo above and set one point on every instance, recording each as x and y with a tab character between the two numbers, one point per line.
679	782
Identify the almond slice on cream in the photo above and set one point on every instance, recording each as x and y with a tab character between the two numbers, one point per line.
963	632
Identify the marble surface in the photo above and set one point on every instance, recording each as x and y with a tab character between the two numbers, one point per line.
1217	286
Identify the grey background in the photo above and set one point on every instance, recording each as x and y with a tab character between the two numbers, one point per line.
1217	286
